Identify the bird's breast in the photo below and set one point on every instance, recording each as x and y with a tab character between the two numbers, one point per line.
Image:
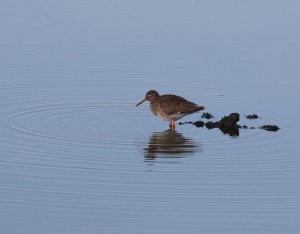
154	107
156	110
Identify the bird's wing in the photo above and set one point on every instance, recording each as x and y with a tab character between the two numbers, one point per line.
172	104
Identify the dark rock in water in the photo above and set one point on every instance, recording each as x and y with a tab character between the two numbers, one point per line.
272	128
254	116
229	121
207	115
199	124
228	124
211	125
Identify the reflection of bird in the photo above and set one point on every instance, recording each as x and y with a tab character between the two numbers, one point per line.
169	144
170	107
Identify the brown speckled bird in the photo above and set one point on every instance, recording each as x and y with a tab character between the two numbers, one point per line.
170	107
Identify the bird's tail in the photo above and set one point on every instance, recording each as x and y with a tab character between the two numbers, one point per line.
199	108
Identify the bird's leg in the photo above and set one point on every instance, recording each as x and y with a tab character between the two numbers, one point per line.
173	122
172	125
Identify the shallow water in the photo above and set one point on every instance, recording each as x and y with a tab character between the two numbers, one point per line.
77	156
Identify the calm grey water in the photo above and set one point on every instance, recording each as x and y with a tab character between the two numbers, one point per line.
77	156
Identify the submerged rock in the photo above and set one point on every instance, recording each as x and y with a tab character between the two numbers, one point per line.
272	128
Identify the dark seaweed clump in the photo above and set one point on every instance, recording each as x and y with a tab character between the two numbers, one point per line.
207	115
254	116
228	124
272	128
211	125
199	124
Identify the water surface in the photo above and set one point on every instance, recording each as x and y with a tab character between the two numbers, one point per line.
77	156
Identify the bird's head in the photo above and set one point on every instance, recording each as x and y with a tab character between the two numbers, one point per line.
151	96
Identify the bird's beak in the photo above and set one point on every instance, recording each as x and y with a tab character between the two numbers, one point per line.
141	102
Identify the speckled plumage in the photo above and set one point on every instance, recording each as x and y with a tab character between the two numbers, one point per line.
170	107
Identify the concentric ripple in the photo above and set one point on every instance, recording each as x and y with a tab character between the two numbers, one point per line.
82	123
